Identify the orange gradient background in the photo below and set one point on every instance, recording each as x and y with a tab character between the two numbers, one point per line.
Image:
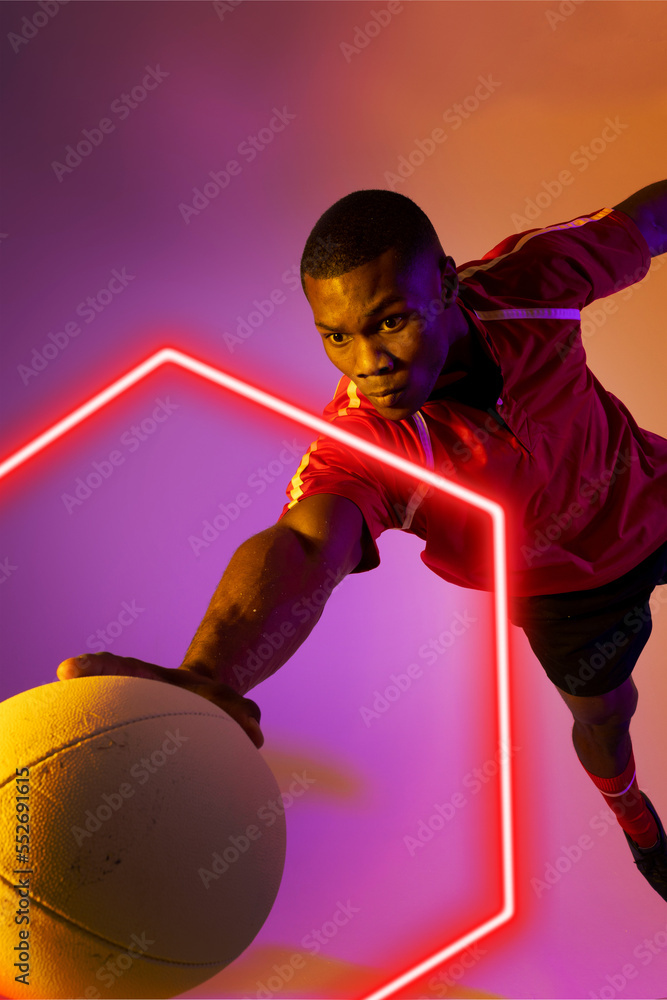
560	72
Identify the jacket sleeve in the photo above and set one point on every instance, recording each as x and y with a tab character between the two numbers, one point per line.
327	467
572	263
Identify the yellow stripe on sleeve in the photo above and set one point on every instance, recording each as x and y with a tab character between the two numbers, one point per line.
353	400
296	482
575	223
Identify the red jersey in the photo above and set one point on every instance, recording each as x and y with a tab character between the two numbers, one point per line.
583	487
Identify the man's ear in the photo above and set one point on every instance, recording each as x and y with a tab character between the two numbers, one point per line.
449	281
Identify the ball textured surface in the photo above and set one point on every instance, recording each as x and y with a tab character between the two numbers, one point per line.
149	867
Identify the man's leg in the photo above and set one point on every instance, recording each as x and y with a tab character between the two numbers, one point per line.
585	641
601	730
601	737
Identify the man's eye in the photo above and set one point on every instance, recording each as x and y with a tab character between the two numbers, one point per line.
397	318
332	335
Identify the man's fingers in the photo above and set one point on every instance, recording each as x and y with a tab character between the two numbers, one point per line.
244	711
104	664
254	732
77	666
252	708
248	724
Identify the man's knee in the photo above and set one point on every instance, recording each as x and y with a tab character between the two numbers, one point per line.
612	710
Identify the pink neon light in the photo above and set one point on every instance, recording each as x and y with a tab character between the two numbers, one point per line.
494	510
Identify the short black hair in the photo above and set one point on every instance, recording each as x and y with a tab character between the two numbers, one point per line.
362	225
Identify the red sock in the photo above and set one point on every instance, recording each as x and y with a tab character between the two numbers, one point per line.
622	796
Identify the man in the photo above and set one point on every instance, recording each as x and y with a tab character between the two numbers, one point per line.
479	373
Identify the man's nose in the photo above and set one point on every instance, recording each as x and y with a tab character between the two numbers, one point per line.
372	359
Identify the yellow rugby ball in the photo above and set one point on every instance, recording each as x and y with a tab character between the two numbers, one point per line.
133	859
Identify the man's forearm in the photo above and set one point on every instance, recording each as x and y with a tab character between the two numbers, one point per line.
266	604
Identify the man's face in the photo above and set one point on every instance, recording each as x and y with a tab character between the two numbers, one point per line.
388	330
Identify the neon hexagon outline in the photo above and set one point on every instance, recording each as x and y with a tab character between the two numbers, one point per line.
264	399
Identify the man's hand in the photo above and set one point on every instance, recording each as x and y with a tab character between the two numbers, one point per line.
242	710
319	539
648	210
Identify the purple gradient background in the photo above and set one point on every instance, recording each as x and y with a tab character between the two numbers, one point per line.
130	540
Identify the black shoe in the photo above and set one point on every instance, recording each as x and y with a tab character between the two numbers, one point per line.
652	863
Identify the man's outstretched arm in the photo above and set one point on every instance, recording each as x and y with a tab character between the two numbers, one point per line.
266	592
648	210
276	584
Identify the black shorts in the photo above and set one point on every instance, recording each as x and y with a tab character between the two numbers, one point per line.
588	641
